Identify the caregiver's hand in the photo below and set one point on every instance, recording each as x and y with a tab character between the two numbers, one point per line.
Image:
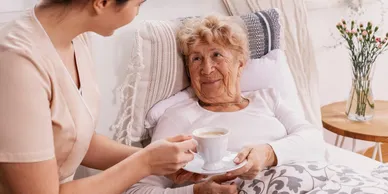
258	157
168	156
183	176
214	185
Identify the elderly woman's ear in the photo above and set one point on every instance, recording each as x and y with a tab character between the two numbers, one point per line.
241	68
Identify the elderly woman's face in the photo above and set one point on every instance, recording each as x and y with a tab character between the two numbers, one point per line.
214	72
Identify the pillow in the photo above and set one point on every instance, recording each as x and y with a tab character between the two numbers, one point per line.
157	69
270	71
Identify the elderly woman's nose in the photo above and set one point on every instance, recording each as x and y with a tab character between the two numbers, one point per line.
207	66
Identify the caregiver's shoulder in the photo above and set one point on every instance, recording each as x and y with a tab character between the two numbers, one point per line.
15	37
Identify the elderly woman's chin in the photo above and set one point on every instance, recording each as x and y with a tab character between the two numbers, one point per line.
211	91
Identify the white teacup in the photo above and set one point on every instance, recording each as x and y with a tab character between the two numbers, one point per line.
212	146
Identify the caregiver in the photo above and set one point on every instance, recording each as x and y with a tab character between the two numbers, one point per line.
49	105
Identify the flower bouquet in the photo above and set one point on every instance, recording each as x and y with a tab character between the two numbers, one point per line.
364	46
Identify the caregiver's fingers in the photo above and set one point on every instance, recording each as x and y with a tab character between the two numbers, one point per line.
184	177
227	189
179	138
198	177
222	178
242	155
184	158
184	146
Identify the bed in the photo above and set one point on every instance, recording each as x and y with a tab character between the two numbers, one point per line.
351	159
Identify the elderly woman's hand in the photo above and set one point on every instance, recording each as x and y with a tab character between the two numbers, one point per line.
258	157
183	176
214	185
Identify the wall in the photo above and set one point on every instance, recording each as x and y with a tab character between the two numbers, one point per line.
333	63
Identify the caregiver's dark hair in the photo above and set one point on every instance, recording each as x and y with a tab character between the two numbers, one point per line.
69	4
79	2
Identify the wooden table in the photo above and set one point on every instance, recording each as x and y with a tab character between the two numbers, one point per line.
335	120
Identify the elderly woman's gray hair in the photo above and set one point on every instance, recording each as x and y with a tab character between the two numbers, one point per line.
213	29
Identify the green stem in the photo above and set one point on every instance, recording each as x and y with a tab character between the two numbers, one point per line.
351	102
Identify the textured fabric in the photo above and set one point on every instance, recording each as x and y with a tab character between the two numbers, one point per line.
42	114
157	69
317	177
263	30
265	120
297	44
292	178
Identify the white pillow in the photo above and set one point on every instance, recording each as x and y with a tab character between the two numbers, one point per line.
269	71
272	71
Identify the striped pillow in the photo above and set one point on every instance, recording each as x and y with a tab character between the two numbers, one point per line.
263	30
157	69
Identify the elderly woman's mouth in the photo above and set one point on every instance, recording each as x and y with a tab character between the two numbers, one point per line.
210	82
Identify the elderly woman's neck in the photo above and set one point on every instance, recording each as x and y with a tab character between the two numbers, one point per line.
226	104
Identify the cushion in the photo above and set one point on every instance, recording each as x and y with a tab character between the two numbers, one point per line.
157	69
269	71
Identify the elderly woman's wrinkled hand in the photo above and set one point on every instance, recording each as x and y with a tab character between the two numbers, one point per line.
217	185
258	157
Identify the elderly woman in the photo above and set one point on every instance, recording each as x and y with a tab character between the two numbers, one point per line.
264	130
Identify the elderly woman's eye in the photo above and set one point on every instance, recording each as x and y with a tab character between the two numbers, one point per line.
217	54
195	59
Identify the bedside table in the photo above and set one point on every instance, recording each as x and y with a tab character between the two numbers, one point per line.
335	120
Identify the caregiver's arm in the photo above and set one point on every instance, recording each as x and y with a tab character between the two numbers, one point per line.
104	152
42	177
304	141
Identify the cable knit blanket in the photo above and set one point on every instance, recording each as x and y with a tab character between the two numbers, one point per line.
317	177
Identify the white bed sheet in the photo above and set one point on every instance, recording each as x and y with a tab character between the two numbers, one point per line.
353	160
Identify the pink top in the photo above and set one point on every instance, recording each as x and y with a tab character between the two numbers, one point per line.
42	114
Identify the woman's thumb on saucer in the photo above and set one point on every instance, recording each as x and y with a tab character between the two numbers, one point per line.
241	155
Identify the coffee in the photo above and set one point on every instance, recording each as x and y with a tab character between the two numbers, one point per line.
212	134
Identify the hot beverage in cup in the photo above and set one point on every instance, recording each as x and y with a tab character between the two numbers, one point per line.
212	146
212	134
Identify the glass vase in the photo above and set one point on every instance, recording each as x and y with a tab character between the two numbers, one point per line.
360	105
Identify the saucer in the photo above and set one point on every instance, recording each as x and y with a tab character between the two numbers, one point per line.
196	164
